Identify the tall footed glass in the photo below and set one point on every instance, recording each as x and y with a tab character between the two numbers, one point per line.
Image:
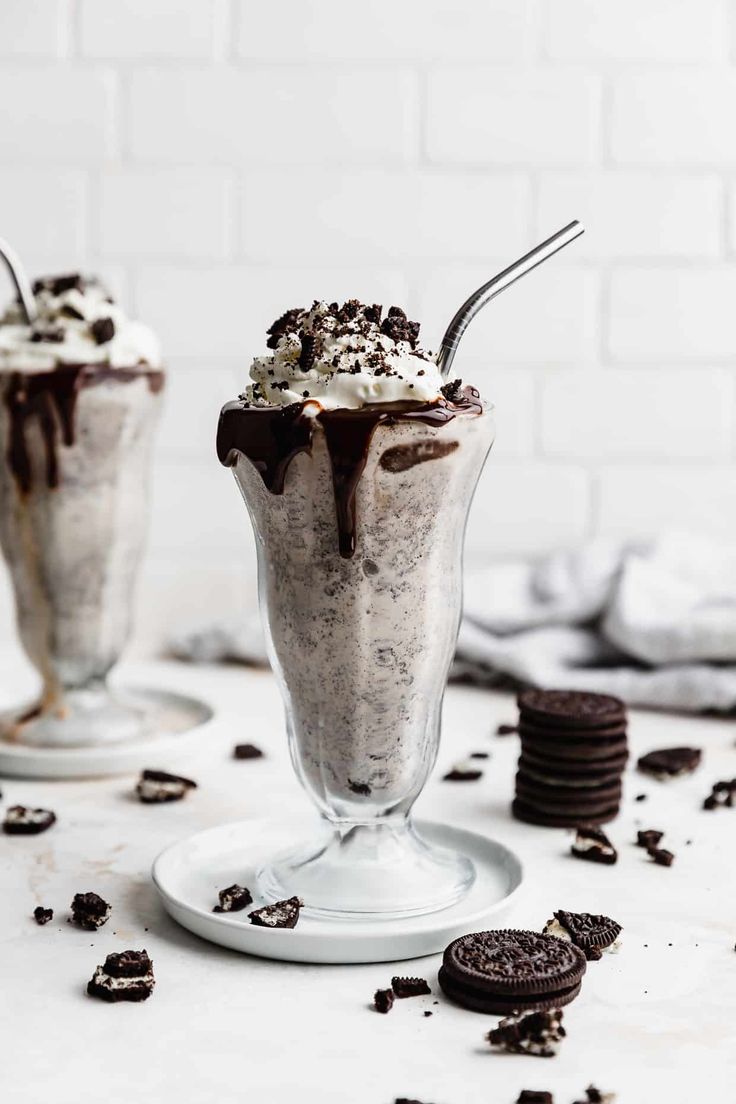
359	518
75	446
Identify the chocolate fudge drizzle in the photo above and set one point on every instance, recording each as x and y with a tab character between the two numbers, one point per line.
50	397
270	437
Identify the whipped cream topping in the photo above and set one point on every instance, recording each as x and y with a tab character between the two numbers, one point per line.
77	323
343	356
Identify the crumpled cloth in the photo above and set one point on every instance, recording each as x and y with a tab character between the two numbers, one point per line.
653	623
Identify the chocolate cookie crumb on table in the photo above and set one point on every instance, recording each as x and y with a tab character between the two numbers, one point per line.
667	763
247	751
506	729
89	911
721	795
42	915
462	773
661	856
383	1000
281	914
409	987
125	976
157	787
593	845
537	1033
534	1096
233	899
595	1096
22	821
650	837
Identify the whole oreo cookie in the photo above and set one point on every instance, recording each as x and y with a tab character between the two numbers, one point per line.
530	814
560	798
508	970
578	748
571	709
573	769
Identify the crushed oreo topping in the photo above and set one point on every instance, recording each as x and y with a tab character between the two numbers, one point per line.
57	285
52	335
537	1033
453	390
102	330
281	326
362	789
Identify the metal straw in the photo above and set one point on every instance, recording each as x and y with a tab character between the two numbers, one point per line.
20	280
495	286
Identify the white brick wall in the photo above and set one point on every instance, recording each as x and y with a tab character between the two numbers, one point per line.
221	160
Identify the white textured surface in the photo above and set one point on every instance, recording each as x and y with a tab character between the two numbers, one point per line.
221	1026
222	160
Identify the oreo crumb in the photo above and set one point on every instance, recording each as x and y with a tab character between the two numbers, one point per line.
360	788
102	330
409	987
233	899
125	976
156	787
640	797
593	845
22	821
281	914
506	729
89	911
247	751
648	838
52	335
462	773
721	795
534	1096
42	915
537	1033
661	856
383	1000
453	390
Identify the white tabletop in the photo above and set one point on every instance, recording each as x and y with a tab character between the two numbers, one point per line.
657	1018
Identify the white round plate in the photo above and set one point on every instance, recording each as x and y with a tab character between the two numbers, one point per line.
173	722
189	874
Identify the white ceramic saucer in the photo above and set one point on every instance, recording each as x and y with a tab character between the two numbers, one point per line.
189	874
173	722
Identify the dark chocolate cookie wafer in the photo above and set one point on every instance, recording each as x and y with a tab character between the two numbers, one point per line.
669	763
560	798
571	709
507	970
544	732
578	748
523	810
573	768
551	776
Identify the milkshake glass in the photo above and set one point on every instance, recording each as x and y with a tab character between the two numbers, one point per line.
358	469
80	392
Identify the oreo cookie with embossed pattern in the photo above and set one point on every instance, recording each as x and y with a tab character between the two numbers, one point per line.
508	970
571	709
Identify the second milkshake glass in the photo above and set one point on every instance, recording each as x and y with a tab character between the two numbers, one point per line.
362	606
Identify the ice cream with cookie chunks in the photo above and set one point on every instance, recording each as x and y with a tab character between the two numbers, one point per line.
357	463
81	394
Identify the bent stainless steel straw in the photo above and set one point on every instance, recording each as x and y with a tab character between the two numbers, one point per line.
496	285
20	281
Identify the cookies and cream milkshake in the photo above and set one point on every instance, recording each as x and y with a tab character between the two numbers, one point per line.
358	465
80	391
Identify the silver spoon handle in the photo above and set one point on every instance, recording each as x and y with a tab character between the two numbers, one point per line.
497	284
20	281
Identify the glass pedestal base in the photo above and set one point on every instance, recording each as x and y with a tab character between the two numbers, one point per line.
380	870
90	717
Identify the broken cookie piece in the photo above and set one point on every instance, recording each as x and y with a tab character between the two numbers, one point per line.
21	821
592	933
281	914
233	899
537	1033
126	976
89	911
409	987
42	915
156	787
593	845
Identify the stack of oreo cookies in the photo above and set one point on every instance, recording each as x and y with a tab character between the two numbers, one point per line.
573	753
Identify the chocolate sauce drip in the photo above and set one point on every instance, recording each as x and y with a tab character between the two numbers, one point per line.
50	397
270	437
